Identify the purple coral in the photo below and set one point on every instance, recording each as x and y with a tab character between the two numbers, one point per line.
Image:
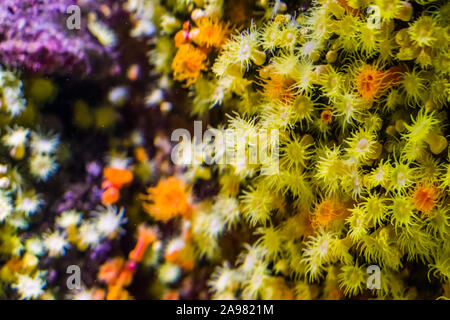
34	37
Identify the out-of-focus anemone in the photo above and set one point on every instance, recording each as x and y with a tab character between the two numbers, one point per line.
223	279
27	202
5	206
188	64
42	166
169	273
88	235
55	243
109	220
167	199
16	140
11	93
46	144
30	287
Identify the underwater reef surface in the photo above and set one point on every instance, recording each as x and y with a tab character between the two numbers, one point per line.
35	36
313	161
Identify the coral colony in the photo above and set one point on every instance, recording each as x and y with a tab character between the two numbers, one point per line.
224	149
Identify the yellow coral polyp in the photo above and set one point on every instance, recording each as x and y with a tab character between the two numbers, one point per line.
295	153
422	31
242	49
389	9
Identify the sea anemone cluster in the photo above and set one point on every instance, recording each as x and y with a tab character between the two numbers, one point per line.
223	149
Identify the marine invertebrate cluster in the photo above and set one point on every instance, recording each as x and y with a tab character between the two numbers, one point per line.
27	156
363	146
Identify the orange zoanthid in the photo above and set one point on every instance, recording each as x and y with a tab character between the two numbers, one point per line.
126	274
110	195
210	32
326	116
181	38
168	199
369	82
117	292
118	177
425	197
188	64
180	253
110	270
146	236
327	211
279	89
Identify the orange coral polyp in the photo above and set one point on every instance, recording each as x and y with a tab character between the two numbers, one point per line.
424	198
182	258
279	88
118	177
117	292
326	116
188	64
110	195
110	270
146	237
211	32
327	211
168	199
181	38
369	82
126	275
